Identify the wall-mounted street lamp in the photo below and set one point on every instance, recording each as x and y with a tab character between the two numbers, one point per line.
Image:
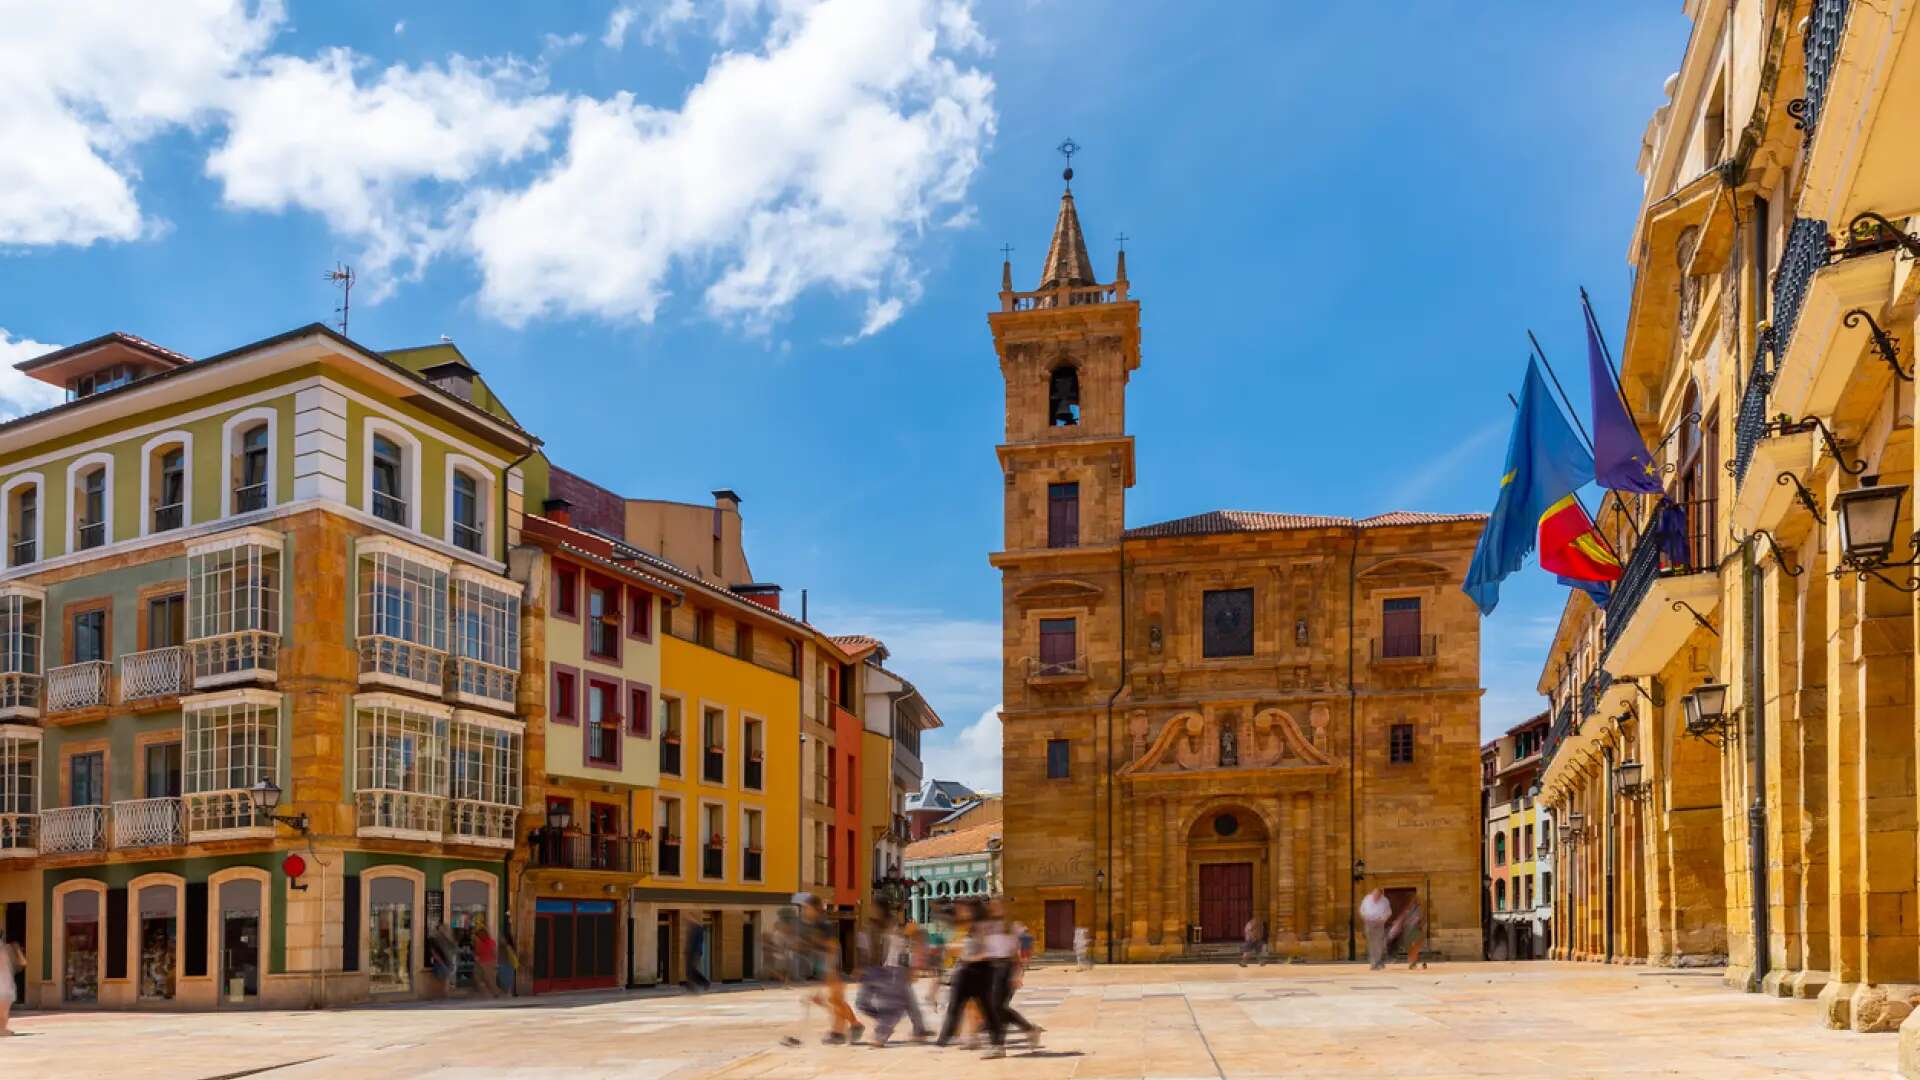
1629	779
1868	518
1706	714
265	796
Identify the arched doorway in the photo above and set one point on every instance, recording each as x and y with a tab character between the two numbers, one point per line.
1227	858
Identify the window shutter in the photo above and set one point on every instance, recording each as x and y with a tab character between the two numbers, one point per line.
195	936
350	923
117	933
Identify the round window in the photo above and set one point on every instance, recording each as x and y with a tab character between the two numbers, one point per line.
1226	825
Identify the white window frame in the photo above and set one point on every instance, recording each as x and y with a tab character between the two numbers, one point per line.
412	652
377	718
409	469
19	742
75	471
206	763
471	729
230	435
495	657
38	482
149	465
483	495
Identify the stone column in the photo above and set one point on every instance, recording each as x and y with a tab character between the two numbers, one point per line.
1810	707
1317	890
1843	784
1286	878
1157	841
1786	850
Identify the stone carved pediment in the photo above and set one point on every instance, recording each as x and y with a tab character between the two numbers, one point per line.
1405	567
1190	742
1060	589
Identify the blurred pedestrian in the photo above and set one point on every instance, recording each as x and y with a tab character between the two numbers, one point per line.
1375	910
1410	931
972	980
886	988
486	960
12	959
443	956
697	980
1253	941
823	944
1083	948
1010	949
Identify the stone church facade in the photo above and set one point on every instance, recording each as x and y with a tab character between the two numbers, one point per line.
1225	715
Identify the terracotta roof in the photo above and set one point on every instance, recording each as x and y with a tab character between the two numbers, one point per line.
159	352
947	845
859	645
981	811
1238	521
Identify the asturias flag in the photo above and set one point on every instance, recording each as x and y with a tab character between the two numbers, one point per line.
1620	458
1545	464
1572	548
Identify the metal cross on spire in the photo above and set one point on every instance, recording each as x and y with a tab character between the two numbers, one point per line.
1067	149
1006	252
1121	240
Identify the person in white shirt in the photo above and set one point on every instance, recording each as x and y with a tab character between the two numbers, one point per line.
1375	910
973	978
1008	967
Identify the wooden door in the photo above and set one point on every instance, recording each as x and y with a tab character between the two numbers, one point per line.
1226	900
1060	924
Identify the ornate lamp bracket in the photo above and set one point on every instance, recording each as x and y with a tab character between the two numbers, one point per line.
1682	605
1871	230
1800	492
1885	344
1811	423
1787	566
1669	467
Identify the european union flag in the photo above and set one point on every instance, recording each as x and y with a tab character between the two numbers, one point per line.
1545	463
1621	461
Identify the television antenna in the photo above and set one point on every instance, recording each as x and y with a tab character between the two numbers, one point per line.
342	276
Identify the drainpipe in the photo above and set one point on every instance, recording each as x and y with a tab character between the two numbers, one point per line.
504	495
1115	696
1353	755
1607	852
1757	768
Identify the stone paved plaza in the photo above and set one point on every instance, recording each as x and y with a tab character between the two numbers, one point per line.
1180	1020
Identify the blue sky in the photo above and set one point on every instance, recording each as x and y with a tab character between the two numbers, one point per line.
752	244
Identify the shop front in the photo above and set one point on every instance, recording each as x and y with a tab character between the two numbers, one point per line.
576	944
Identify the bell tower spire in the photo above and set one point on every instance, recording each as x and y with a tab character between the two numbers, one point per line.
1067	262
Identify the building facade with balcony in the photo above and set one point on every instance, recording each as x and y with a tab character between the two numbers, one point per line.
282	567
895	714
1518	851
1222	715
1737	782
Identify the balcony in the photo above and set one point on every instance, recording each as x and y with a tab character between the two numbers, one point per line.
1670	581
85	685
169	518
23	552
250	497
752	773
71	829
713	765
482	824
1064	296
19	835
1405	649
223	815
713	861
750	865
391	661
606	854
1825	24
670	755
240	657
1056	672
475	683
153	674
144	823
403	815
19	696
669	858
91	534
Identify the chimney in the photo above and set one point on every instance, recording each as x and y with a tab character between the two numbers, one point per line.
726	499
559	510
761	593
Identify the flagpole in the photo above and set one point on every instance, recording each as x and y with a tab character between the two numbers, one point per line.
1571	411
1576	494
1593	322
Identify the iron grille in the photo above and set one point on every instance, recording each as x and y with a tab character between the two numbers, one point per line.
1825	24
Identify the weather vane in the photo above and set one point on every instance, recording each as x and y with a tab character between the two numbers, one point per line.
1068	148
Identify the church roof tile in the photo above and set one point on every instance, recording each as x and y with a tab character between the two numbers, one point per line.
1237	521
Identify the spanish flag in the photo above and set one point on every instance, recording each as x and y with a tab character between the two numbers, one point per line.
1571	547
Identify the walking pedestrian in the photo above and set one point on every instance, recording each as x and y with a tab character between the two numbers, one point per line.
12	959
443	956
1253	941
697	980
936	962
886	989
1375	910
509	970
822	944
1009	968
1083	948
972	980
486	960
1410	930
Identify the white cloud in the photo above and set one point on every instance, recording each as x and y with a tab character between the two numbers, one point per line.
20	395
972	756
83	85
812	162
400	27
370	154
815	158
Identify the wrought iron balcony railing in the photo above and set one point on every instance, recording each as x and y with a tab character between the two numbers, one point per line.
750	865
608	854
140	823
670	755
751	774
155	673
1825	25
1750	425
1662	552
1042	668
24	552
713	861
70	829
713	765
168	518
250	497
669	857
1808	249
78	686
92	534
1597	684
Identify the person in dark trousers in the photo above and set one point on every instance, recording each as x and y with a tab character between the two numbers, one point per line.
972	981
1010	947
697	980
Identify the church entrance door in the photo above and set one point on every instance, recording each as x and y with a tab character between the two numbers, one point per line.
1226	900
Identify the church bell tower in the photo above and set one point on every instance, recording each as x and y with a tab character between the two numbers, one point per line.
1066	349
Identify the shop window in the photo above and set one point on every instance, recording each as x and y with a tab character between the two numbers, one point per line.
390	935
159	935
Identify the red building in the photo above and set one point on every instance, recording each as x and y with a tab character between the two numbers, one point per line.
843	772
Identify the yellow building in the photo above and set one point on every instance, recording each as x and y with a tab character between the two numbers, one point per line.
1732	755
